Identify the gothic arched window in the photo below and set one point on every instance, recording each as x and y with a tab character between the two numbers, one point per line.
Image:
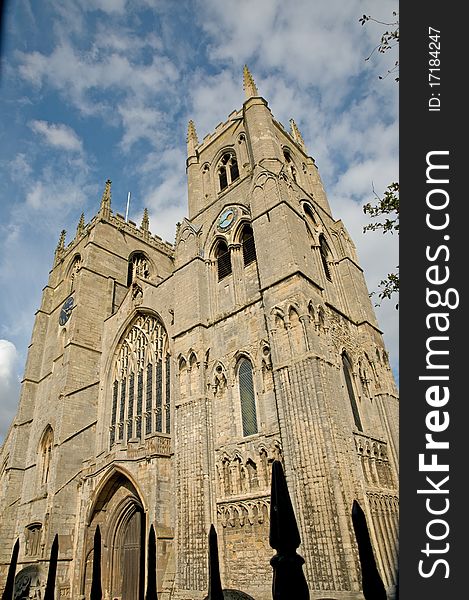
247	397
228	170
223	257
347	369
139	266
309	214
290	164
247	243
45	453
141	382
325	253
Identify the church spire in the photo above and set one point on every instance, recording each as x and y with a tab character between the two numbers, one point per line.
296	135
249	86
81	225
106	200
192	140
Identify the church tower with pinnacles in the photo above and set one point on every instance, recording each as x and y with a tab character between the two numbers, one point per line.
163	380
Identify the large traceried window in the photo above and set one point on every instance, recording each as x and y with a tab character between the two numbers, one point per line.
247	397
141	383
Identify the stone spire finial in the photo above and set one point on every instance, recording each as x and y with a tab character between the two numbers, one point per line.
192	141
249	86
296	135
81	225
145	226
60	245
106	200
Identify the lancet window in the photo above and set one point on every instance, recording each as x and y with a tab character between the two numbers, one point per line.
47	443
309	214
325	253
223	257
247	243
228	170
347	369
290	164
141	389
247	397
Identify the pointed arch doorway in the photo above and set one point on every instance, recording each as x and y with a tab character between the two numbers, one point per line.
127	571
120	515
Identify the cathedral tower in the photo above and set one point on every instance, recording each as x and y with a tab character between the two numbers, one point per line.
287	362
162	381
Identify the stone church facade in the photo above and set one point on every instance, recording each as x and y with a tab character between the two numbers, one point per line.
162	381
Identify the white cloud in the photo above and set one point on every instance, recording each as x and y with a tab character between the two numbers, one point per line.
20	168
107	6
312	43
141	122
9	384
47	196
167	200
213	97
58	135
97	80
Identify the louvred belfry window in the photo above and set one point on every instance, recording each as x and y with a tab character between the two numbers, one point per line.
247	243
228	170
223	260
247	397
141	380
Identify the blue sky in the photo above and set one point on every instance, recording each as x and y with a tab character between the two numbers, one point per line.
98	89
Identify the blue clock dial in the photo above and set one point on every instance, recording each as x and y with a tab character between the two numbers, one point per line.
66	311
227	218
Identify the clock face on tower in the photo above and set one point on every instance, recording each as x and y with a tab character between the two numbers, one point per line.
227	218
66	310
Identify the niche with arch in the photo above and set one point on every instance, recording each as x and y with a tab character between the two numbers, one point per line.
138	266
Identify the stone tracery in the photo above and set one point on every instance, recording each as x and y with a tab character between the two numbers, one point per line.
141	382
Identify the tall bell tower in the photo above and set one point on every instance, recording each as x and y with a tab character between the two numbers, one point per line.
280	356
